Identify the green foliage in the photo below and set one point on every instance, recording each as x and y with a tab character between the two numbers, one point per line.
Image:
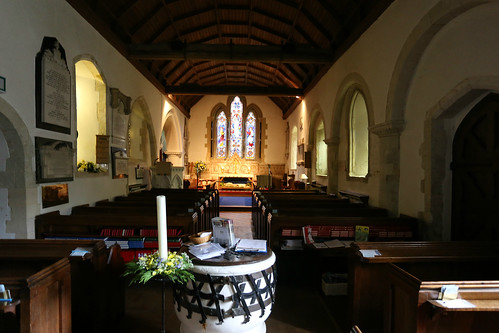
88	167
175	267
200	166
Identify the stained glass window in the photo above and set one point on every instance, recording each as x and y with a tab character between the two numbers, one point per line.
235	132
236	128
221	135
250	136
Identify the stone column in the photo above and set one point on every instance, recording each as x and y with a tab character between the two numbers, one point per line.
332	164
389	164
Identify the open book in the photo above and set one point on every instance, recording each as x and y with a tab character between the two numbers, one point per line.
252	245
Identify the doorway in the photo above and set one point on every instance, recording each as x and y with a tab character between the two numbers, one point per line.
475	173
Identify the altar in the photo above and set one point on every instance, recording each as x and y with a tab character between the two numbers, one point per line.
231	293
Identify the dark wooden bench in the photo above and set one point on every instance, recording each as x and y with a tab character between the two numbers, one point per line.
59	292
343	227
389	292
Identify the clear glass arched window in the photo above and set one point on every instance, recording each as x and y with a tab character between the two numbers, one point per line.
90	109
359	137
320	150
294	148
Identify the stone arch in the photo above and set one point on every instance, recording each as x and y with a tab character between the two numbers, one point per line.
316	115
85	145
351	83
140	106
176	182
173	138
411	52
18	177
440	125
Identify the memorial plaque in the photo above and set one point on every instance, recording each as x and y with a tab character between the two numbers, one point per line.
53	88
102	149
54	160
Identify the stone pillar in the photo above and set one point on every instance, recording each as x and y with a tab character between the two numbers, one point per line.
389	164
332	164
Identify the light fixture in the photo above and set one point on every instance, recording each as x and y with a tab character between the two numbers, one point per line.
303	177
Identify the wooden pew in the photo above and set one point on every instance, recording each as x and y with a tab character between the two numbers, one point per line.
44	294
309	204
374	283
380	227
412	305
90	297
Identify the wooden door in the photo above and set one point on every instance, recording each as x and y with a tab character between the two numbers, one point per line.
475	173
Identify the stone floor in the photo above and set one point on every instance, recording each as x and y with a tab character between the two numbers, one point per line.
299	308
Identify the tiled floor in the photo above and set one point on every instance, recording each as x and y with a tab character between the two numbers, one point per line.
299	308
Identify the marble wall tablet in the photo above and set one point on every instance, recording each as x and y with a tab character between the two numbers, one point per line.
53	88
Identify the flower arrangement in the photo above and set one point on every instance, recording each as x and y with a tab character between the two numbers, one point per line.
175	267
200	166
88	167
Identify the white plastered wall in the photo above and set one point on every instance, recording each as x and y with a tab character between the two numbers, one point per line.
28	22
275	141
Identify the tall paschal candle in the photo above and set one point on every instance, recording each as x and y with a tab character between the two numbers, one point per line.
162	227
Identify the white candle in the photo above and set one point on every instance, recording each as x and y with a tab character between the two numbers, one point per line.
162	228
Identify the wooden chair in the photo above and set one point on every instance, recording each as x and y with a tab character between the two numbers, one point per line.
355	329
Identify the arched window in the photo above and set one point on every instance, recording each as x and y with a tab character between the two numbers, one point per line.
250	136
236	128
320	150
221	135
294	148
359	137
239	131
90	109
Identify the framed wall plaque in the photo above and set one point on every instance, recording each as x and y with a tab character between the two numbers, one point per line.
120	162
54	160
53	195
53	87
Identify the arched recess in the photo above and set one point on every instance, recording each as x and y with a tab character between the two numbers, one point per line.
18	191
475	176
141	145
352	83
410	54
316	120
91	107
402	77
440	127
171	139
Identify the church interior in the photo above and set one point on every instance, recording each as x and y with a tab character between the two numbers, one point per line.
356	138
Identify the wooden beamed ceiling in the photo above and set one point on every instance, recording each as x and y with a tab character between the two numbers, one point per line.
192	48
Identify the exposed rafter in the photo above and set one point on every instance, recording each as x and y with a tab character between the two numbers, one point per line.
281	54
189	89
274	48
